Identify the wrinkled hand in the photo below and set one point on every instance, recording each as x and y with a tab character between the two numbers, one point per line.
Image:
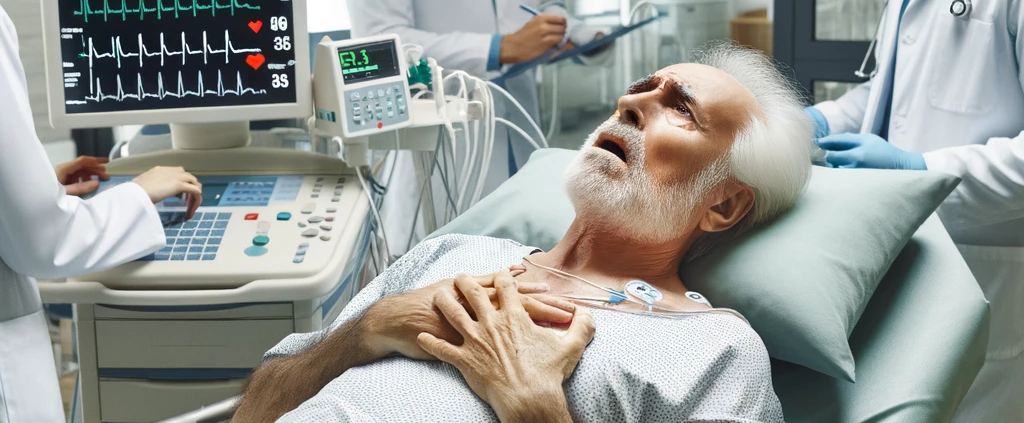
399	319
506	359
161	183
538	36
868	151
76	175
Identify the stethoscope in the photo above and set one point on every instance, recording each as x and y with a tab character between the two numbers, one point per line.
958	8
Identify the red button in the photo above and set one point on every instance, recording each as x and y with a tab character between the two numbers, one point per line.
252	216
380	125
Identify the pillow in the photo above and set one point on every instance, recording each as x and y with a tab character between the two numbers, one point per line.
802	280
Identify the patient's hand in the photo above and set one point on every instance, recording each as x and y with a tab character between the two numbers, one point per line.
396	321
510	362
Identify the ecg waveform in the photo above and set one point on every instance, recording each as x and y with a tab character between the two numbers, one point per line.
162	92
159	10
117	51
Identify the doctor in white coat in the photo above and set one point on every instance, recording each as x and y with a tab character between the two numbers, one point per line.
948	97
46	233
479	37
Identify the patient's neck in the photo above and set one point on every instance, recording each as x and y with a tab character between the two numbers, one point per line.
596	251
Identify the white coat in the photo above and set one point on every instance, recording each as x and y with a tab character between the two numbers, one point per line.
47	234
958	99
456	33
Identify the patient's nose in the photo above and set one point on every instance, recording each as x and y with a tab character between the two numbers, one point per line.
630	112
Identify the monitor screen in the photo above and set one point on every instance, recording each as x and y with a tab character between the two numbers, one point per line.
368	62
134	55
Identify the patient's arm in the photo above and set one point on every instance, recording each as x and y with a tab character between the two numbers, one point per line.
389	326
515	365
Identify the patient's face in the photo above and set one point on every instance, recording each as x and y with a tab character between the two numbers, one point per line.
649	168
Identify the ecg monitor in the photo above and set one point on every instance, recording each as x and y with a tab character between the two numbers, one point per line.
119	62
360	86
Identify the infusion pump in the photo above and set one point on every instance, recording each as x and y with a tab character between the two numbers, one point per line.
360	86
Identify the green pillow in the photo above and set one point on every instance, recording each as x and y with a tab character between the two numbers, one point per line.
802	280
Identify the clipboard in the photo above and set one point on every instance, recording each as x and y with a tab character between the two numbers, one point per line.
553	56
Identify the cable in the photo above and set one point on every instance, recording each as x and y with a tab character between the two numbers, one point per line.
543	140
511	125
554	104
376	214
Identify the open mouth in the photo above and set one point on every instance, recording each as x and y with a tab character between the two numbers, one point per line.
614	145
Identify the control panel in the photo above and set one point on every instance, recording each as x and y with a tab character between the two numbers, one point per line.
376	106
249	227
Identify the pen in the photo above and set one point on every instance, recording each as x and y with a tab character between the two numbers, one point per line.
529	9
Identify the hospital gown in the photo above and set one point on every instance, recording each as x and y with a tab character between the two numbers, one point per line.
708	367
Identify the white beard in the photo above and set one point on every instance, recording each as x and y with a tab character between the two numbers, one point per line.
628	199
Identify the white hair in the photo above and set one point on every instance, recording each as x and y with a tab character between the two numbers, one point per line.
771	154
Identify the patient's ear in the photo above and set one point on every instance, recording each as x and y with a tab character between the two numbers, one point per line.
734	201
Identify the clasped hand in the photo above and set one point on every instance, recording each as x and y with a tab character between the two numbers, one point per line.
397	320
513	364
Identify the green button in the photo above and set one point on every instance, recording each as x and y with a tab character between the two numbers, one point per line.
284	216
260	240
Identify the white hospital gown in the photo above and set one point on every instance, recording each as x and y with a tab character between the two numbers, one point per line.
705	368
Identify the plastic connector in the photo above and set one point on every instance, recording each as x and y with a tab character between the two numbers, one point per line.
420	74
355	151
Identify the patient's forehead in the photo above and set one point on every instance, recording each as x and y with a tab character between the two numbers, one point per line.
727	104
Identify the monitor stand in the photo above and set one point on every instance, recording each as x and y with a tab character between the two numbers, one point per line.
209	136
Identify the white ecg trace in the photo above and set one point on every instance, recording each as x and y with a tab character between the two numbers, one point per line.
141	94
117	50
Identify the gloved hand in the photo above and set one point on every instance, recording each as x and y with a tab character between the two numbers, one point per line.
868	151
821	128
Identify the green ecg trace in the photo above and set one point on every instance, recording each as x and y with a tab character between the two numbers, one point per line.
85	9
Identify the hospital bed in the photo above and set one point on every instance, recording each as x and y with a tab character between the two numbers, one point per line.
918	347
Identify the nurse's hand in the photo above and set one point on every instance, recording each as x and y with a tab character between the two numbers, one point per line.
77	175
851	150
511	363
394	322
538	36
161	183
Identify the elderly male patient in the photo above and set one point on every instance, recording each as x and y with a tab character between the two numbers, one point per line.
695	154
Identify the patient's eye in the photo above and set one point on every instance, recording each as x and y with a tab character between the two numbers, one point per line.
683	110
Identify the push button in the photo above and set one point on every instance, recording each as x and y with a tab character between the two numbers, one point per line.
260	240
308	208
252	216
284	216
311	232
316	219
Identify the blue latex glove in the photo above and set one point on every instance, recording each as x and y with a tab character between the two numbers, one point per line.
821	128
868	151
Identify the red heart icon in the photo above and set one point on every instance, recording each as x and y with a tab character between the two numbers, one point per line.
255	60
255	26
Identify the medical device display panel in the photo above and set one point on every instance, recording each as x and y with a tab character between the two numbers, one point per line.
130	55
249	227
360	86
369	62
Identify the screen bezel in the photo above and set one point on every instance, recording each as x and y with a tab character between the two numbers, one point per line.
59	118
394	54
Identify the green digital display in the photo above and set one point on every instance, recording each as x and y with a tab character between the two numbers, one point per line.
368	62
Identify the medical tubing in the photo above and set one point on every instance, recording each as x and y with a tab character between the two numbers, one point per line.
376	214
519	130
636	8
529	118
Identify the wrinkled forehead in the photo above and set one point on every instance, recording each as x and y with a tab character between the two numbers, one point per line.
727	104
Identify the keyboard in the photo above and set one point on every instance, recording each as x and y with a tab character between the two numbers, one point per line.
198	239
